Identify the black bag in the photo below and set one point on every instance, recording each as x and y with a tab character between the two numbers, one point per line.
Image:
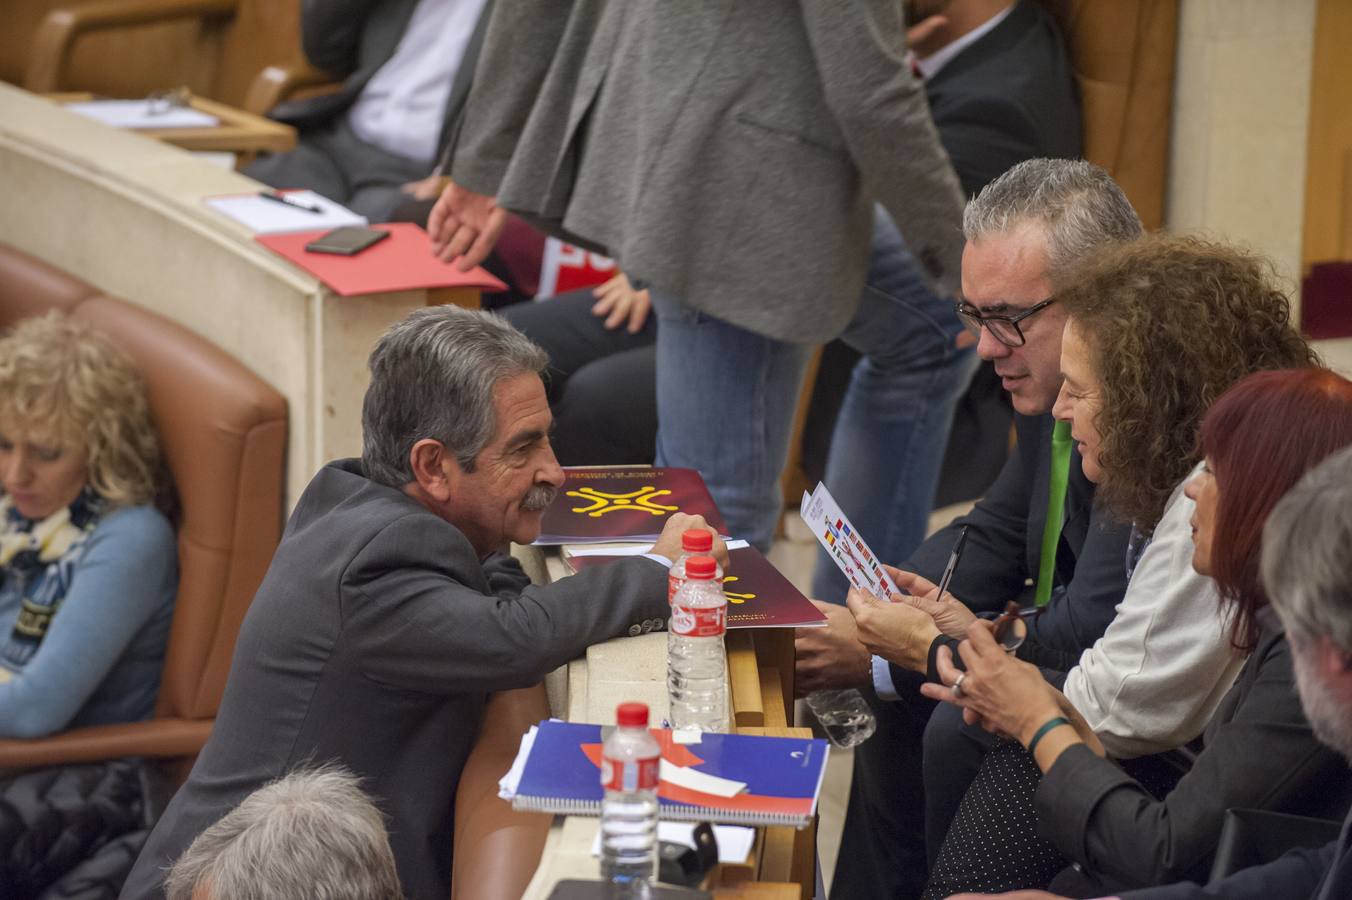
71	831
1251	837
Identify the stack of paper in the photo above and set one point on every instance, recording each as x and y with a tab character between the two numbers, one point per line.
143	114
263	216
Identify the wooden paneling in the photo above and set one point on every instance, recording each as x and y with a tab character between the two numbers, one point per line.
1328	173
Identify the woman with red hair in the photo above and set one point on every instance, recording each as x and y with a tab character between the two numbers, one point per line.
1258	751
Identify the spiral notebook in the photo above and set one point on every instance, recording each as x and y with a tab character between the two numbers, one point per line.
735	778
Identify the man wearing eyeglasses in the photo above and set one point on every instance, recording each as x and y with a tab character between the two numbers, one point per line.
1023	230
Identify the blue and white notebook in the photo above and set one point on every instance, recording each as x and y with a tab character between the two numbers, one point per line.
736	778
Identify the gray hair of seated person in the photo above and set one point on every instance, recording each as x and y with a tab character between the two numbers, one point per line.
1077	204
1306	560
432	376
313	835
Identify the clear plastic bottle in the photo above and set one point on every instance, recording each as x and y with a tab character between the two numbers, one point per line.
629	770
694	542
696	671
844	715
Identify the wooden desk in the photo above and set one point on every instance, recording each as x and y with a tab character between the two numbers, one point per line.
125	213
239	131
760	680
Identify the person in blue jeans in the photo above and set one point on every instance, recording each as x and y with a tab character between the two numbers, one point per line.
889	439
603	366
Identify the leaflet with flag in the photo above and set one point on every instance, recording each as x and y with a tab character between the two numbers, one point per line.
824	517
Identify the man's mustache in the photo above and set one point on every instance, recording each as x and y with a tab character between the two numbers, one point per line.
539	497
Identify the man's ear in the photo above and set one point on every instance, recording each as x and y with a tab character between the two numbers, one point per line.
435	470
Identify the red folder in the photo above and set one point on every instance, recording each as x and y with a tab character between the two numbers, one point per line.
401	262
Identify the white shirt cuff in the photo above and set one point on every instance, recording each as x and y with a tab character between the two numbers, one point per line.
658	558
882	680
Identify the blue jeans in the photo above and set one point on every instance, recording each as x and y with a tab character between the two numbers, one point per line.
725	403
889	441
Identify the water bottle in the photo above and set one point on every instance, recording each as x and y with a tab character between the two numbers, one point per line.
629	769
844	715
694	542
695	666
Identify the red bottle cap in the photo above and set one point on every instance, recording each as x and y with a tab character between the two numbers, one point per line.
632	715
700	568
697	540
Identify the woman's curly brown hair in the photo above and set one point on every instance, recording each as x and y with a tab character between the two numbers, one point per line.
1170	323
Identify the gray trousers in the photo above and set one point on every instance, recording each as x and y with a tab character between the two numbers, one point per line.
333	162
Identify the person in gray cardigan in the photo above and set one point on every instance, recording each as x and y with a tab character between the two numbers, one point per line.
727	154
391	609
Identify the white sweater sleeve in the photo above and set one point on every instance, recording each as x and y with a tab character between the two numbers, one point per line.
1154	679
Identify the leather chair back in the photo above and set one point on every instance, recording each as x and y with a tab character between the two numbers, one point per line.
216	55
1123	55
223	434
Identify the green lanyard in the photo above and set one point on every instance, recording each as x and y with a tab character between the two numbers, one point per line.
1056	511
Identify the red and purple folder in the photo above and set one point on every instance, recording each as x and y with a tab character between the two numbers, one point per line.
758	595
624	503
782	776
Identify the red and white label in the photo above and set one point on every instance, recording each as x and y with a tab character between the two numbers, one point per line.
635	775
673	585
702	621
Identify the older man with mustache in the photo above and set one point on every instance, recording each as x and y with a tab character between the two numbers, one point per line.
392	609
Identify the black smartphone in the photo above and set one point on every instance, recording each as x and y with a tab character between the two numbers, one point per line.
347	241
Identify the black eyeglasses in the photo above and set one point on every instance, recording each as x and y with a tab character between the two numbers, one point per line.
1004	329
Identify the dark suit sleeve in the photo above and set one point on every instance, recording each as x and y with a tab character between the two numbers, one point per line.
1264	755
421	628
1294	876
993	569
985	136
1077	616
330	33
880	108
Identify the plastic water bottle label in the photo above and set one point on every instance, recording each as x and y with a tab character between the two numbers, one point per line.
635	775
673	585
702	621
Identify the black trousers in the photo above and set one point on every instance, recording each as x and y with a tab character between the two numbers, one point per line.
883	849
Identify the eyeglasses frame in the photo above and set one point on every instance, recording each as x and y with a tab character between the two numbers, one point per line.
961	308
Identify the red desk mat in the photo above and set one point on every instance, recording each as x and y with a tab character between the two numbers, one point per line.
401	262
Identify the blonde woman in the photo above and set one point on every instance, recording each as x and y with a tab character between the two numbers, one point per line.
88	565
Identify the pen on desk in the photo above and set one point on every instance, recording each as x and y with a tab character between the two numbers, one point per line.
287	201
952	562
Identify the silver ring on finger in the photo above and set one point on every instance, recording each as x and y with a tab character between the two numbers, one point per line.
957	685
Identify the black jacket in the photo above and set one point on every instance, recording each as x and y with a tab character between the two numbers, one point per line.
374	642
1323	874
1258	752
1004	544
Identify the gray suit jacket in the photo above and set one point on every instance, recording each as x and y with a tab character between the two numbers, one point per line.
352	39
727	152
373	642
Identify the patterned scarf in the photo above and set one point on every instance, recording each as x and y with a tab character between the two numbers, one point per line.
39	558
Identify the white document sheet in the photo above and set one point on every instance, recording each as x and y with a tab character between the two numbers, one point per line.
143	114
262	216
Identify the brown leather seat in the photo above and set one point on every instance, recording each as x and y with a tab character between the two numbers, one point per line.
128	48
223	432
1123	55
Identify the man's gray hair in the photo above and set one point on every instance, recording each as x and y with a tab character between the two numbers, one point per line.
312	835
432	376
1078	206
1307	553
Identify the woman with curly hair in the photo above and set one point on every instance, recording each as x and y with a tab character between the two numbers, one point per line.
1156	331
88	566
